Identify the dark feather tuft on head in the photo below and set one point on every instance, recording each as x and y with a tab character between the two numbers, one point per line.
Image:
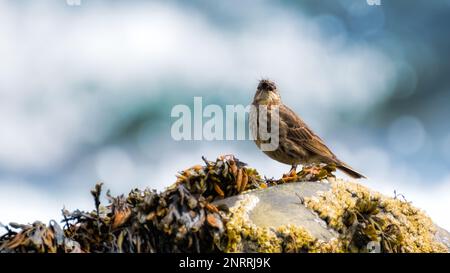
266	85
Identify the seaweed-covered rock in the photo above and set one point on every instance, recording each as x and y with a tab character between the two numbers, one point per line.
279	207
329	215
364	217
225	206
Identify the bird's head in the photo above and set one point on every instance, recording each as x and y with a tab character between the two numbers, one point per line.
266	93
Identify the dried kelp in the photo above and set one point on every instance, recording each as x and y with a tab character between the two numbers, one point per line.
37	238
307	173
227	176
180	219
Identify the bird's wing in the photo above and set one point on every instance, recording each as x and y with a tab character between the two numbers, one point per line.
299	133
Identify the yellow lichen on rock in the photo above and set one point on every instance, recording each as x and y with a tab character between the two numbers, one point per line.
296	239
362	216
244	236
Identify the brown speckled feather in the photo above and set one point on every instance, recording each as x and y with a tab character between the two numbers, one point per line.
299	133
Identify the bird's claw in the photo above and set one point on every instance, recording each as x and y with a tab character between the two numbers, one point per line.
313	170
291	176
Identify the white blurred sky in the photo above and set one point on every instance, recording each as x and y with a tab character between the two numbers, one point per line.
49	52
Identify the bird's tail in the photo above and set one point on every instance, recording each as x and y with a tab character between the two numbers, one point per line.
348	170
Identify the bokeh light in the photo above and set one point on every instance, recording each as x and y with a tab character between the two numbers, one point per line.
406	135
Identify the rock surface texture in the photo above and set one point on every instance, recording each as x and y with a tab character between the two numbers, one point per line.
282	205
287	206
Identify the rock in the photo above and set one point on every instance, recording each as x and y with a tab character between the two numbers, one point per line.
282	205
443	236
330	216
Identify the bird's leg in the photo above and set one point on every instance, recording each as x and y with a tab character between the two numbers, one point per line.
291	175
293	171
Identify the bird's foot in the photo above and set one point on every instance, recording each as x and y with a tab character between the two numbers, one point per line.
316	172
291	176
313	170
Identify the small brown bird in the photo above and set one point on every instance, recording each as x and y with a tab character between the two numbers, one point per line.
297	144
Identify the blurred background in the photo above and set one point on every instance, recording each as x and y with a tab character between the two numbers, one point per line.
86	92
